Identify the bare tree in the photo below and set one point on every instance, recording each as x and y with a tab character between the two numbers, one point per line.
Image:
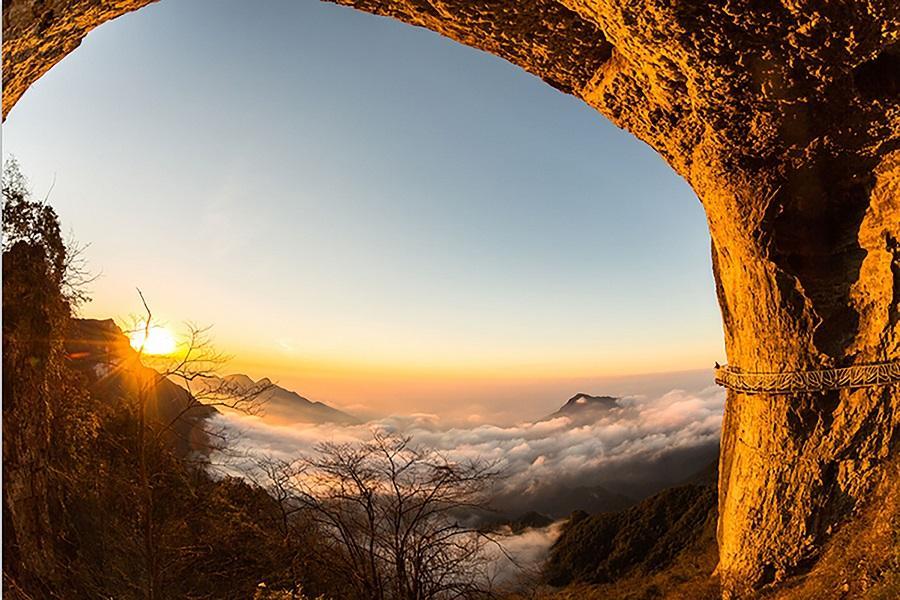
393	515
196	361
197	366
278	477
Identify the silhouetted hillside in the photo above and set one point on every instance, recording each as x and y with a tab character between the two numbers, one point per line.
559	501
103	354
530	520
283	405
643	539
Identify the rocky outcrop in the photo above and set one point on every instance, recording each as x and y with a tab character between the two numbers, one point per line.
784	116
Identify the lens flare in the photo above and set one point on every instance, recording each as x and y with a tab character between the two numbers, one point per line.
157	340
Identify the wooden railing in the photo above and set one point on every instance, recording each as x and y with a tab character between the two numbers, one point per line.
820	380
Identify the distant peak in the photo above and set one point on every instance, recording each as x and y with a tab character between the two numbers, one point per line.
583	399
584	406
239	379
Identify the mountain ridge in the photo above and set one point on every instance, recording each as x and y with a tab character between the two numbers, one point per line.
286	406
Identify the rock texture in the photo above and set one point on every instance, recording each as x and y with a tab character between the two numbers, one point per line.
784	116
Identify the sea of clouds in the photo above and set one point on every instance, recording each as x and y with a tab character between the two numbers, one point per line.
634	440
654	440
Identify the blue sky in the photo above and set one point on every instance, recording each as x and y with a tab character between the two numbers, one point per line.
361	207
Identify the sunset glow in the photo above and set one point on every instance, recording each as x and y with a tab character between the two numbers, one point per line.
157	340
510	270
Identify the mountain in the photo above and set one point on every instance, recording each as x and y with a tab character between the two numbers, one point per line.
103	354
666	541
591	499
281	405
530	520
618	484
708	475
584	408
558	501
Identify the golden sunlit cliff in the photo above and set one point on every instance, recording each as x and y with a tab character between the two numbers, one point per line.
784	116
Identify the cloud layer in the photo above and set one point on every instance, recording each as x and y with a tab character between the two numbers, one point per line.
519	562
641	445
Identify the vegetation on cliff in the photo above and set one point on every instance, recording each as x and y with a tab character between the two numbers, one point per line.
107	491
640	540
75	507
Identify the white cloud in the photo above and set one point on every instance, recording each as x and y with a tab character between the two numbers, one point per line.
536	456
522	555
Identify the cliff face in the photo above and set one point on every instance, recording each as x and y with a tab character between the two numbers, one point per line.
785	119
34	377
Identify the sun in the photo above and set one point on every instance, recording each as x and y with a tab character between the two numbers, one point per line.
158	340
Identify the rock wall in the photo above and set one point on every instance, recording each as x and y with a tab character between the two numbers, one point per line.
784	116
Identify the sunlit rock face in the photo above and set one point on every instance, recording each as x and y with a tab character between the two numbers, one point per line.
784	116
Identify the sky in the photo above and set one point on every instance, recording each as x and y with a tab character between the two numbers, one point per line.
368	213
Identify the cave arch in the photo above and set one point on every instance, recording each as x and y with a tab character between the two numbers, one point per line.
783	119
